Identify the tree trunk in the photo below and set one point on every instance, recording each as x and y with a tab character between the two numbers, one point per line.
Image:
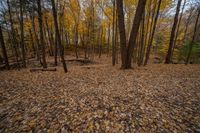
193	38
35	36
32	42
141	41
122	32
22	34
13	40
169	53
58	39
101	42
152	36
76	40
41	34
108	46
113	34
177	31
136	24
4	49
49	38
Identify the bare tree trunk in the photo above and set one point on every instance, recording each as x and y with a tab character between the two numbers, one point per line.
58	39
108	46
141	41
32	42
193	38
152	36
13	40
169	53
177	31
41	34
116	40
67	39
4	49
187	24
49	38
22	34
113	34
122	32
136	24
76	40
101	42
35	35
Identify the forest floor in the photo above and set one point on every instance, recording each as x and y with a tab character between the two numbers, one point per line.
99	97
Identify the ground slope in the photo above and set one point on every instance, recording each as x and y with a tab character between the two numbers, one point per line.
156	98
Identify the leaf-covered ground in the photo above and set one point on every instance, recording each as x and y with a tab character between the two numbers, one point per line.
99	97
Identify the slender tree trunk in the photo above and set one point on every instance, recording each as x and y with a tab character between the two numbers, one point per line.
88	41
187	24
40	20
32	42
169	53
101	42
152	36
67	39
116	40
122	32
76	40
177	32
147	31
22	34
108	46
4	49
141	41
113	34
58	39
35	36
49	38
13	40
194	36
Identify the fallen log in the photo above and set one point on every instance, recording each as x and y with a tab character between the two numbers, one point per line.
42	69
85	61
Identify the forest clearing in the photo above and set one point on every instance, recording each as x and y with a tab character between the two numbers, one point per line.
99	66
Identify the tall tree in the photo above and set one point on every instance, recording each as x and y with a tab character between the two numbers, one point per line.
22	32
122	32
169	52
194	36
42	44
58	39
152	36
4	49
178	31
113	34
126	52
14	39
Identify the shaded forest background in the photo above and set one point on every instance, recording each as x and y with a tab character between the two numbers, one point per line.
129	31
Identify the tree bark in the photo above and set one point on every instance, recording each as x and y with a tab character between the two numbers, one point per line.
22	34
177	31
152	36
58	39
113	34
122	32
49	38
13	40
169	53
194	36
40	20
4	49
32	42
136	24
35	36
